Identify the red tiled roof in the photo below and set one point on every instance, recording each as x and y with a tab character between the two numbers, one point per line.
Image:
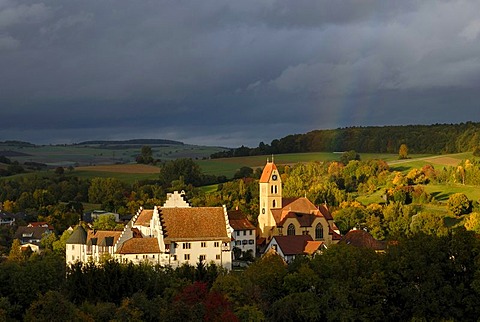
361	238
292	244
144	218
196	223
238	220
312	246
102	235
335	236
241	224
267	171
305	220
140	246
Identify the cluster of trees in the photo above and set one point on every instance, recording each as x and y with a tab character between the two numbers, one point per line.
437	138
420	278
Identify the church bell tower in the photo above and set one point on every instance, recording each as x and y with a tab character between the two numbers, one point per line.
270	197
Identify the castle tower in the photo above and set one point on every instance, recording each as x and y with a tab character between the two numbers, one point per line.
270	197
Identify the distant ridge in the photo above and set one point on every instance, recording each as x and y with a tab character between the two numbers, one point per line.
133	141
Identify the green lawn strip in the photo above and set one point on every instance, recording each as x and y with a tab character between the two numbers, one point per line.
442	192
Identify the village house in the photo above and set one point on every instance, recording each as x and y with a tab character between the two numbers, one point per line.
290	246
244	232
174	234
294	217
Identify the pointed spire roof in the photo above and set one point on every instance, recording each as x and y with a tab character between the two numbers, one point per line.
267	171
78	236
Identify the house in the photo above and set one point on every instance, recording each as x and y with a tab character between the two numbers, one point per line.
363	239
90	217
244	232
43	224
291	216
174	234
6	219
291	246
31	236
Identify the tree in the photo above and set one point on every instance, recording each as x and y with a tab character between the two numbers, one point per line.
105	222
52	307
59	171
146	155
403	152
175	169
16	254
349	156
458	204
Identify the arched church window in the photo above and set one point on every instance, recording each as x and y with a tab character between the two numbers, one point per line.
319	231
291	230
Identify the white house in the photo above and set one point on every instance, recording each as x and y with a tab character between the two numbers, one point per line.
174	234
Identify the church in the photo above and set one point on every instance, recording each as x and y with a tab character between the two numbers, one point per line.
291	216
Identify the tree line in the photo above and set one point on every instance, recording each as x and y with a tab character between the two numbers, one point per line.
436	139
419	278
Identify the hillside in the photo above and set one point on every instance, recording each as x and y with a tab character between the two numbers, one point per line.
432	139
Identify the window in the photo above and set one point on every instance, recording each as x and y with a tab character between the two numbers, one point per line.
153	256
271	189
203	257
238	233
319	231
217	257
186	257
244	233
73	247
244	242
251	242
238	242
275	190
251	232
291	230
174	257
274	204
203	244
186	245
216	244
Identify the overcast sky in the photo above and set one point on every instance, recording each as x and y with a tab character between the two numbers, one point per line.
232	72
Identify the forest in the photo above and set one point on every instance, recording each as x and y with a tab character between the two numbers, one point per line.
435	139
418	278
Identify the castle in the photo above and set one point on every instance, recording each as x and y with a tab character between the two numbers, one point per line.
177	234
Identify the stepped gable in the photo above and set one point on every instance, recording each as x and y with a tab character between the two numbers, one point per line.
202	223
144	218
267	172
140	246
78	236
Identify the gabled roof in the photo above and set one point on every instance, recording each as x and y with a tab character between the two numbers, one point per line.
103	237
198	223
238	220
78	236
362	238
292	244
312	246
140	246
302	208
144	218
267	172
24	232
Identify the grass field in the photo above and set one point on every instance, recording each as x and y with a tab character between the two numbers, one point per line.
84	155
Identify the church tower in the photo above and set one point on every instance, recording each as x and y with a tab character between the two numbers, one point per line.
270	197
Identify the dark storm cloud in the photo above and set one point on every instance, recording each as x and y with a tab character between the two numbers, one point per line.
231	73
